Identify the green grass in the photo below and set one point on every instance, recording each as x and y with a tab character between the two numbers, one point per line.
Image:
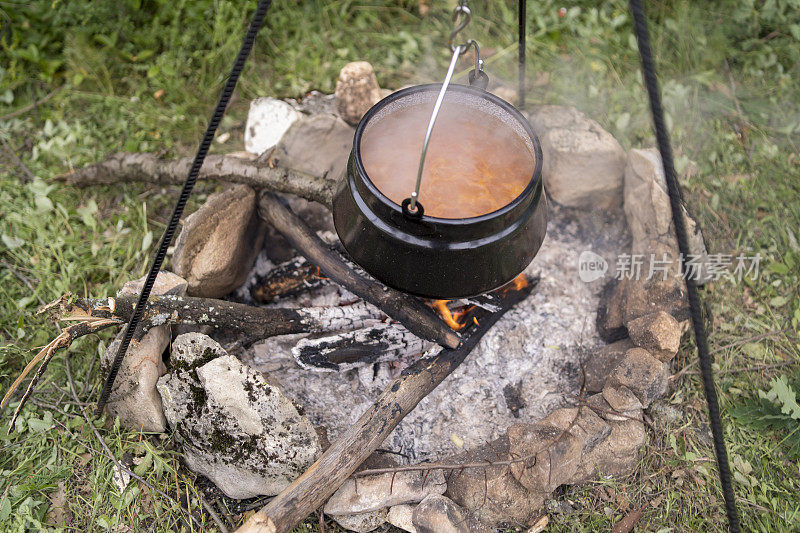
143	76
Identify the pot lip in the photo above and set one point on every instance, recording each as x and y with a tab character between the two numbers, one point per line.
529	189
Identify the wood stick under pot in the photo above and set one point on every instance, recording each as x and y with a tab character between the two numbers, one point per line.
417	317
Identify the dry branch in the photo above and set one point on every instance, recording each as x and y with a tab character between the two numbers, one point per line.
339	461
246	321
417	317
123	167
46	354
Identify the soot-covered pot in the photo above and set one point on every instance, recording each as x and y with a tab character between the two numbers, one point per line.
443	258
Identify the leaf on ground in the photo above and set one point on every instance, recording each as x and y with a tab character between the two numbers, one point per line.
783	395
58	502
628	522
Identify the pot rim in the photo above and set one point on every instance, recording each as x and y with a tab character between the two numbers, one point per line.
534	182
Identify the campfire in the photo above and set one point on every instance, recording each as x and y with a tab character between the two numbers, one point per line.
289	367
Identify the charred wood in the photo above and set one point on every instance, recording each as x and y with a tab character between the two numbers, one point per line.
320	481
287	279
376	344
417	317
248	322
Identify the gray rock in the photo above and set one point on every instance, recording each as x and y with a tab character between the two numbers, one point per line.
219	242
661	292
588	427
234	427
166	283
658	333
599	365
192	350
647	205
583	164
601	407
315	103
554	455
267	121
492	494
402	516
362	522
617	455
378	491
318	145
638	380
356	91
439	514
134	398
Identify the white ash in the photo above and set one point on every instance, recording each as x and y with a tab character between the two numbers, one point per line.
534	350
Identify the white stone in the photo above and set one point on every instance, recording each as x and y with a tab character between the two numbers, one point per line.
234	427
375	492
401	516
267	121
362	522
134	398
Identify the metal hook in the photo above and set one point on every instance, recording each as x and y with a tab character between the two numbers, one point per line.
461	9
478	61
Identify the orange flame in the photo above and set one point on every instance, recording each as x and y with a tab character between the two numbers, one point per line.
447	316
520	282
517	284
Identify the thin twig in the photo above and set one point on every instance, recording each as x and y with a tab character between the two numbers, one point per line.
23	110
24	279
214	516
752	338
15	159
108	450
47	353
427	467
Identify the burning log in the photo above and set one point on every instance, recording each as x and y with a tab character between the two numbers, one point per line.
249	322
287	279
409	311
339	461
384	342
123	167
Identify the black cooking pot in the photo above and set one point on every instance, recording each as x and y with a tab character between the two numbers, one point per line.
433	257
